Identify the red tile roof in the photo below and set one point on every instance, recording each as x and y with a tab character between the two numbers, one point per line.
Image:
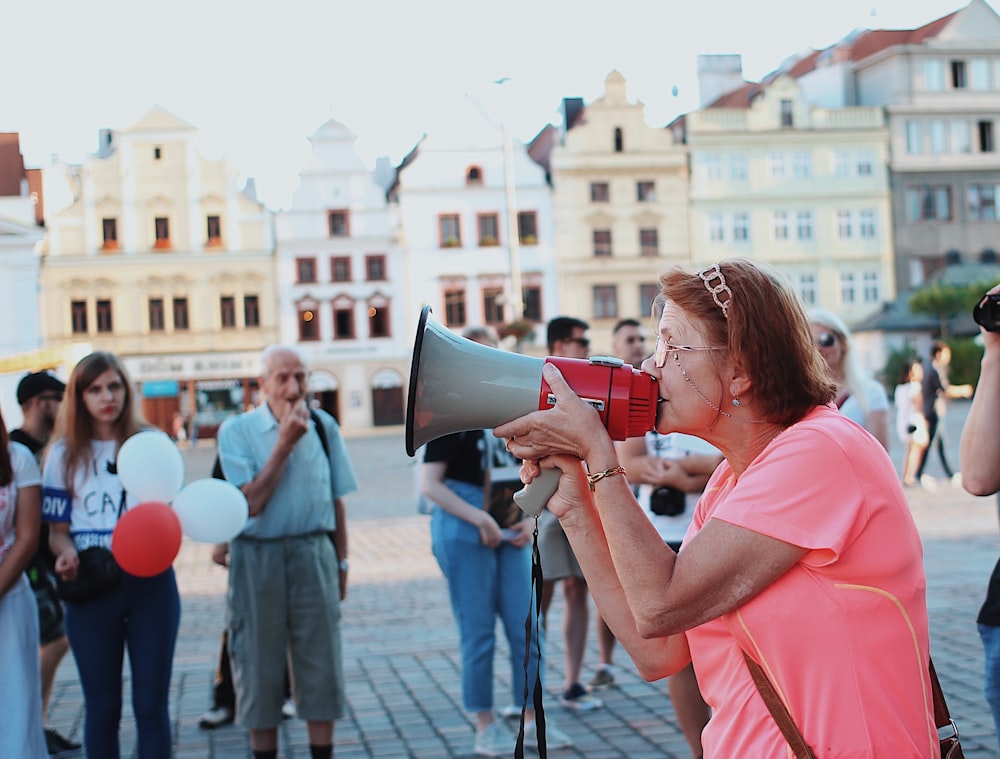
876	40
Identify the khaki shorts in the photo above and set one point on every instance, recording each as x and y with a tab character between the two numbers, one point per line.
283	604
558	561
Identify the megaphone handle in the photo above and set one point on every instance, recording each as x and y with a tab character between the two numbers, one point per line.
532	498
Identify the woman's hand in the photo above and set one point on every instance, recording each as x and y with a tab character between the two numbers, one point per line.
489	531
67	563
523	531
573	491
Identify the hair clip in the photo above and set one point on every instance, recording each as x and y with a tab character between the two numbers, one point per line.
715	283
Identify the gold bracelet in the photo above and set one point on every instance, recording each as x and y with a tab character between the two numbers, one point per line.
593	479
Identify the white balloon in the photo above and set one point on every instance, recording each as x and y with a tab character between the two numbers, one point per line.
211	510
151	467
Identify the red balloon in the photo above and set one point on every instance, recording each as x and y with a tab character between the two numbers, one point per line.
146	539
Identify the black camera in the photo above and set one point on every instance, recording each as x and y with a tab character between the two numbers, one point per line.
987	312
667	502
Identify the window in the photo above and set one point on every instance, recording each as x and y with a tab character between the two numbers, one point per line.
599	192
961	136
251	311
181	314
986	136
841	163
649	242
933	76
78	317
979	68
647	294
807	289
937	136
738	167
474	176
378	318
958	75
340	269
619	140
343	319
157	318
527	227
489	226
928	203
982	202
802	165
157	153
804	222
741	227
449	231
871	292
375	268
161	227
713	167
602	243
645	192
339	223
110	229
213	226
305	270
227	311
716	227
308	322
777	161
493	301
866	162
914	138
866	224
605	302
454	308
844	225
779	225
532	295
786	113
847	292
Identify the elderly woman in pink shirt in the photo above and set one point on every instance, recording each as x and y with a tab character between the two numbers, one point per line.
802	554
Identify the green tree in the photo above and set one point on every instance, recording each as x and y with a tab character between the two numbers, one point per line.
944	302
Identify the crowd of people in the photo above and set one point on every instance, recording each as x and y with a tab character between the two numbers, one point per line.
701	568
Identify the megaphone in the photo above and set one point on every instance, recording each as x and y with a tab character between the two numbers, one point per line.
458	384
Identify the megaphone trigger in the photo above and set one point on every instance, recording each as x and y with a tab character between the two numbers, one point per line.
531	499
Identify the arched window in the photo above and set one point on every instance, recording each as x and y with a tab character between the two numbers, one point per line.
474	176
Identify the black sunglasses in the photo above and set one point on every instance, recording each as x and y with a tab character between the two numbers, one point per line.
826	340
583	342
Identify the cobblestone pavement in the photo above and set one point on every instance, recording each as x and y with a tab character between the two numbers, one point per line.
401	648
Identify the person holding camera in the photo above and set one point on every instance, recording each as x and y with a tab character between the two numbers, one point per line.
980	457
672	471
784	570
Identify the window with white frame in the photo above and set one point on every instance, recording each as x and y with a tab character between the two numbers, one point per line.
844	225
804	224
807	289
738	169
841	163
928	203
914	138
866	224
605	302
716	227
938	141
961	136
848	295
779	225
802	164
866	162
933	75
871	291
713	167
777	162
979	69
741	227
981	200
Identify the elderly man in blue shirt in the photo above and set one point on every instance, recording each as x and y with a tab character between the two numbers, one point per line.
288	567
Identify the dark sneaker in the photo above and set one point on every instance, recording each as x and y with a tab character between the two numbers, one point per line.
215	717
579	699
603	678
58	746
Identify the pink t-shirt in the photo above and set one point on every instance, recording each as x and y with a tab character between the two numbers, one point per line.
843	635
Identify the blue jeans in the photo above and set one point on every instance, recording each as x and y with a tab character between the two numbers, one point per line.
144	614
485	583
990	636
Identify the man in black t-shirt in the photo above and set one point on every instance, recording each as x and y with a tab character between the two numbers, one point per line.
39	395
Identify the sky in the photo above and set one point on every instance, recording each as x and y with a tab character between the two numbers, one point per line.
257	79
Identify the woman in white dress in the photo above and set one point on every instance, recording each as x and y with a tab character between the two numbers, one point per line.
911	426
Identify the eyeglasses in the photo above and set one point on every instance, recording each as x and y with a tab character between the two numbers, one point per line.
663	348
826	339
50	397
583	342
635	339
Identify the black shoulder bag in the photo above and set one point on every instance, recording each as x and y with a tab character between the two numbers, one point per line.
96	575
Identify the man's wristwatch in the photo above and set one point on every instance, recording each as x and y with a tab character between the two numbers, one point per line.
344	565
